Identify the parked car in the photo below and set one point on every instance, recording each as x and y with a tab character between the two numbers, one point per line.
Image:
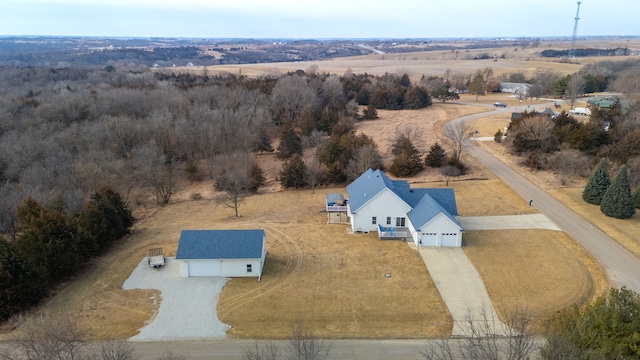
499	104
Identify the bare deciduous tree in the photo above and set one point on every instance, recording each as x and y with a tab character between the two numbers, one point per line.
315	173
257	352
487	338
459	137
363	158
157	171
449	172
575	88
303	345
569	164
45	337
117	350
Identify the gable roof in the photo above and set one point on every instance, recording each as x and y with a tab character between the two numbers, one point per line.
434	203
426	203
370	184
220	244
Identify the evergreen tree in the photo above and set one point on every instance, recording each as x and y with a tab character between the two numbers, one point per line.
256	178
106	218
263	143
605	329
436	156
636	198
21	285
617	201
407	161
51	241
290	143
598	184
294	173
370	113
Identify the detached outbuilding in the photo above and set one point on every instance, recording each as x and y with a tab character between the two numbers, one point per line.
226	253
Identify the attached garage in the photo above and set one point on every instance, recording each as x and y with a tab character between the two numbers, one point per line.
429	239
227	253
449	239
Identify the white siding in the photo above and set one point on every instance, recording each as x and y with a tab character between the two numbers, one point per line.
385	204
238	268
442	225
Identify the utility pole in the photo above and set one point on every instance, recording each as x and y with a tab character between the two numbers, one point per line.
572	53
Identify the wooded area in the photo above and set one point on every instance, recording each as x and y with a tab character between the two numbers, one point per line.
79	147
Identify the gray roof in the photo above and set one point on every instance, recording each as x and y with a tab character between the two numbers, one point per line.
220	244
425	203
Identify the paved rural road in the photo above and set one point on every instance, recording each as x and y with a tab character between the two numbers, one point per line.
622	267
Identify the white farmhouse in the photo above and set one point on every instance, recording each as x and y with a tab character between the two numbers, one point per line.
227	253
396	211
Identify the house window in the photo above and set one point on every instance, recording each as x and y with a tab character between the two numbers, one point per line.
374	220
388	220
248	268
400	221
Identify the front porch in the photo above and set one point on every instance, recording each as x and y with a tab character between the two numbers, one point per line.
394	233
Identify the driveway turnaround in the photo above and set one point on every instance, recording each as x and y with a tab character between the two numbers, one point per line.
507	222
462	290
188	305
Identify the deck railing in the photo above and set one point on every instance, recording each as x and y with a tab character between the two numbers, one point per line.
331	208
390	233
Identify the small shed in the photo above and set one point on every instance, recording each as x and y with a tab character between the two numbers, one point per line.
225	253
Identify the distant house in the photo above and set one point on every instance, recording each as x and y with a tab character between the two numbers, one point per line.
515	88
226	253
396	211
550	113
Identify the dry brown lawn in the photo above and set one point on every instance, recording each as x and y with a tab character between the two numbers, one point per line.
558	272
625	231
315	271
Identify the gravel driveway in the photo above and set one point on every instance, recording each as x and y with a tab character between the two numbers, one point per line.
188	306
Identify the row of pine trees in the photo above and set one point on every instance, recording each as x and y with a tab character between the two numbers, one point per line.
614	197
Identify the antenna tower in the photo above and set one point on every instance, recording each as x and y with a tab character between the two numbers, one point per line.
572	53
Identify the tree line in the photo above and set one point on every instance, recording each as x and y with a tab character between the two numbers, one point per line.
49	246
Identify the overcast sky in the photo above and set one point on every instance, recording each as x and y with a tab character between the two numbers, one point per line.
318	18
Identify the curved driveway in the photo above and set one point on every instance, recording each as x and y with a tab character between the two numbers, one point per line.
622	267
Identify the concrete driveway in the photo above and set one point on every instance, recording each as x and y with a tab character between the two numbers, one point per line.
460	284
506	222
187	305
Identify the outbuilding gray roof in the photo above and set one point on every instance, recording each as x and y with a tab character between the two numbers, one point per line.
220	244
426	203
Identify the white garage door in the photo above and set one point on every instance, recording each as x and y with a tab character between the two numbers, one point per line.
204	268
429	239
449	239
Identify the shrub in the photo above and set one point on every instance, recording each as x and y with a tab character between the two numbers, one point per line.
436	156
